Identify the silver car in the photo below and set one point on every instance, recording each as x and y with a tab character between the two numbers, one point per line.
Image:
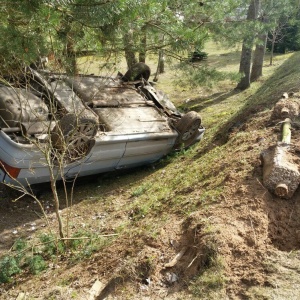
86	124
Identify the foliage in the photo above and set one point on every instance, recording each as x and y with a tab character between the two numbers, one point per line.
35	257
36	264
64	26
14	263
31	29
19	245
51	246
196	74
22	24
9	267
288	35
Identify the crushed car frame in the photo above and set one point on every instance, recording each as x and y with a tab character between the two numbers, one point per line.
95	123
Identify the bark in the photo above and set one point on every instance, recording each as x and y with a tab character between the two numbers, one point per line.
143	45
258	58
161	62
286	131
245	63
71	67
272	49
280	170
129	49
56	205
160	65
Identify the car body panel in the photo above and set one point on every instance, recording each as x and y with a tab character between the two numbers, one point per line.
135	126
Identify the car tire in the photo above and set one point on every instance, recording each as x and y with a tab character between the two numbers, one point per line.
187	128
73	136
138	71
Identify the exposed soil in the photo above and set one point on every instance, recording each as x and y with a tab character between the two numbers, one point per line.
253	230
256	234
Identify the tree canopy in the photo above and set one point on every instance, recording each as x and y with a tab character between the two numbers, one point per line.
65	28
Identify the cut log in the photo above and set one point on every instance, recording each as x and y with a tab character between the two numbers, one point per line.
286	107
96	289
280	170
282	190
285	112
286	131
280	175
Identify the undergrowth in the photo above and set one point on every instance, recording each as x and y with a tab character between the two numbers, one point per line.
33	257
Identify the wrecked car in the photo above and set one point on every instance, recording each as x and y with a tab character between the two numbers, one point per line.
86	124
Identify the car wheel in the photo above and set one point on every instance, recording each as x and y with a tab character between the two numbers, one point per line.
187	128
138	71
74	135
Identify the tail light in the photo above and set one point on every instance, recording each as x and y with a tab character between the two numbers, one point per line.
11	171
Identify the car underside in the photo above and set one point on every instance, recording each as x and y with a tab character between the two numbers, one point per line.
85	124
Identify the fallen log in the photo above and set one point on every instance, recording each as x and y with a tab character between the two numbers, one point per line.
280	171
286	131
286	108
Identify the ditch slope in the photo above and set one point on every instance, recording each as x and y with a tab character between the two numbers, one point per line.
197	225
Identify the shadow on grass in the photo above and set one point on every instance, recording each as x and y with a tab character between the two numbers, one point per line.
200	103
227	59
283	80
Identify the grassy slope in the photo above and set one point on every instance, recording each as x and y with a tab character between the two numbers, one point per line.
188	187
192	183
182	198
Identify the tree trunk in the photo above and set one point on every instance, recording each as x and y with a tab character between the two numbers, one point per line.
258	58
71	67
129	49
66	35
245	66
245	63
272	49
56	203
160	65
143	45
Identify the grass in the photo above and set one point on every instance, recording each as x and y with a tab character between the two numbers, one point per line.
210	283
185	183
139	203
34	256
193	180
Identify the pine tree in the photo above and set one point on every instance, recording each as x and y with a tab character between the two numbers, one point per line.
245	63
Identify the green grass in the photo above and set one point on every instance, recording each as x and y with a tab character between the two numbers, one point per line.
193	180
35	256
141	202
